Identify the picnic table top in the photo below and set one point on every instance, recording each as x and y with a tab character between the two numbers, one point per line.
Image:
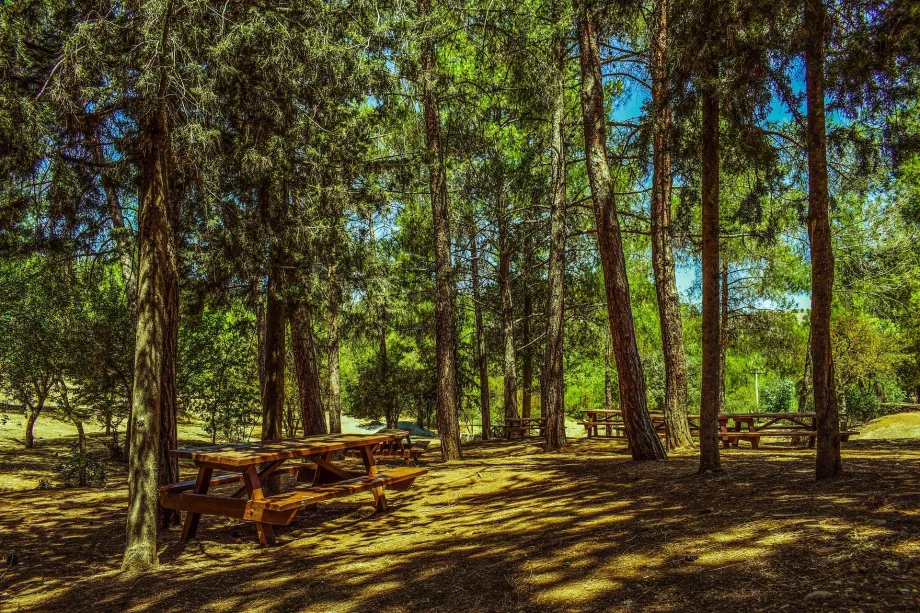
603	411
247	454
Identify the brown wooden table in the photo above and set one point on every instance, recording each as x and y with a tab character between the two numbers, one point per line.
251	463
524	424
610	419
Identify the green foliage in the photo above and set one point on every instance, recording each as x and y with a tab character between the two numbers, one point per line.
218	377
779	397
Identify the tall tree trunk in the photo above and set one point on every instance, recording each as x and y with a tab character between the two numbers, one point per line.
258	299
309	388
608	376
509	370
527	351
169	427
723	334
806	374
827	463
273	395
481	356
552	401
643	439
677	428
154	229
709	409
333	326
448	420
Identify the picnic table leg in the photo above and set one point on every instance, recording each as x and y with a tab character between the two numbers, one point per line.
254	488
202	483
370	465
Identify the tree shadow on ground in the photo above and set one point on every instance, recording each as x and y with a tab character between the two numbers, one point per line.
511	528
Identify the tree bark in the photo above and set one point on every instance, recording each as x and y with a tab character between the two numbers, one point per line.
448	421
552	401
709	409
608	377
258	306
154	229
34	410
806	374
273	394
827	462
643	440
509	363
309	388
723	333
677	428
332	355
169	427
481	356
527	351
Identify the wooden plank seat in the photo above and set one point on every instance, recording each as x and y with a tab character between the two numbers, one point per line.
280	509
613	428
732	438
399	479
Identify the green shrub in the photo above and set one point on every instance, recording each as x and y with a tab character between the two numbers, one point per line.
779	397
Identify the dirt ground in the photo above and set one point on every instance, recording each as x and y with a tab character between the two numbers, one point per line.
509	528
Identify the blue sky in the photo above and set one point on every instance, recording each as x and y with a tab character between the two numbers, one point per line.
629	107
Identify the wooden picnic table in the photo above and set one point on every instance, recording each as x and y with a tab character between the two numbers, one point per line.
251	463
522	425
610	419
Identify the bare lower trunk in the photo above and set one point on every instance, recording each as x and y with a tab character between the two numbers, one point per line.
308	382
677	428
258	305
806	375
169	428
527	353
723	334
709	409
510	355
155	214
552	401
30	426
643	439
34	410
273	396
828	462
481	356
608	376
332	359
448	422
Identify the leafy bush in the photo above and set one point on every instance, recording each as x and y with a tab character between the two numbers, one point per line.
779	397
71	473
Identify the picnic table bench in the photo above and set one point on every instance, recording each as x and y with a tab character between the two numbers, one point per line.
522	426
250	464
797	424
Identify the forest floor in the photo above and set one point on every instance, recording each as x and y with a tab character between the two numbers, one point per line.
509	528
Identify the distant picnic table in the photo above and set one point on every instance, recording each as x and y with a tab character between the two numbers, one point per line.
733	427
251	463
609	419
524	425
